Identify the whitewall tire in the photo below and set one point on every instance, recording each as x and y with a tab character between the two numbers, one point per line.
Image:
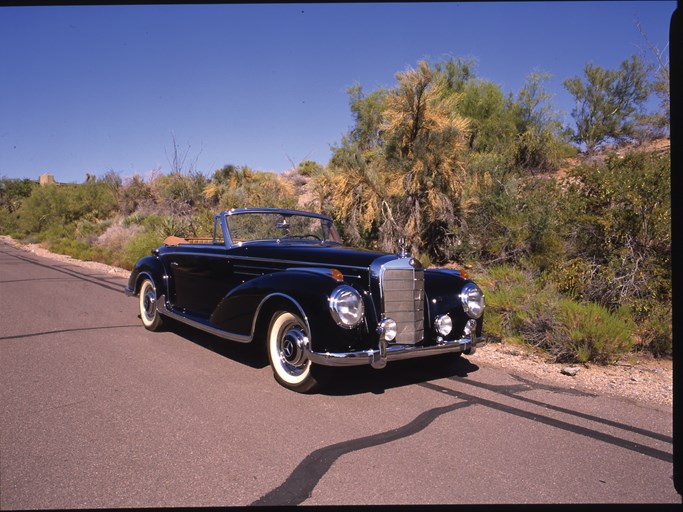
286	340
149	315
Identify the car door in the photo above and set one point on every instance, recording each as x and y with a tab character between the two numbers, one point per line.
200	278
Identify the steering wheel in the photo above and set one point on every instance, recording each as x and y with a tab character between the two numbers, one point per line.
307	235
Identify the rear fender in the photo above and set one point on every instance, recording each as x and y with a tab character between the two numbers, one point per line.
148	267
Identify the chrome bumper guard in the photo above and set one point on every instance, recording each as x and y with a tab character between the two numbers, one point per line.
378	358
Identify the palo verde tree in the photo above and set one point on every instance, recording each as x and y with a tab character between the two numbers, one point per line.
608	102
489	111
539	144
13	191
660	82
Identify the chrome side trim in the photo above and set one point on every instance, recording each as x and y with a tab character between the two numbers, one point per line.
206	326
269	260
200	324
378	358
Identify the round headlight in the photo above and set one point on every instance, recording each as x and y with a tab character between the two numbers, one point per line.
472	300
346	306
443	325
388	329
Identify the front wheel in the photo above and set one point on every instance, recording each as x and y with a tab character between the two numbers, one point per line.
286	340
149	315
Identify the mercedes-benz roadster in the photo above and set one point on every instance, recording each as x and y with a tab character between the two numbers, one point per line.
282	278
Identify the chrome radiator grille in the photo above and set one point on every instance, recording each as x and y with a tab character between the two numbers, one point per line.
403	301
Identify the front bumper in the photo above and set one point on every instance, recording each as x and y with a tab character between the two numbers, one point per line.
386	352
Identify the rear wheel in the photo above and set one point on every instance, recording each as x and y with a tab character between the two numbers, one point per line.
286	340
149	315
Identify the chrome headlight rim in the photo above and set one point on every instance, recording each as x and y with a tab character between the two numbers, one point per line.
443	324
472	299
387	329
346	306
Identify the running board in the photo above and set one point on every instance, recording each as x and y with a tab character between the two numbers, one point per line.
198	323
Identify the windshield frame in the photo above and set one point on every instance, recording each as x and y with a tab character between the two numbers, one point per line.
326	234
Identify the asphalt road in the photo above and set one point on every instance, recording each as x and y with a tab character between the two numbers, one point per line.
98	412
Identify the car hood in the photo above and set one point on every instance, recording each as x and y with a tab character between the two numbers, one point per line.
302	254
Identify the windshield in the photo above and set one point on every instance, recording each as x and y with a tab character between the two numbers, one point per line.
282	227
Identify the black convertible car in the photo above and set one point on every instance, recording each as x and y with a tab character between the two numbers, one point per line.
282	278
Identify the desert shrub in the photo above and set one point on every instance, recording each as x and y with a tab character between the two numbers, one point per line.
173	226
54	232
13	191
517	307
52	206
524	308
136	194
110	244
513	219
8	223
133	219
139	245
617	217
589	332
233	187
12	194
180	192
201	223
89	231
308	168
572	277
654	327
74	248
621	211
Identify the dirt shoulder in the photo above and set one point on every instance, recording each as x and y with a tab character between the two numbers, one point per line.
636	377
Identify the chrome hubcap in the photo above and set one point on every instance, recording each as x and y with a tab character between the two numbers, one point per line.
292	345
149	299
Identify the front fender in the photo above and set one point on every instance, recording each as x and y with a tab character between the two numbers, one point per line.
442	290
251	305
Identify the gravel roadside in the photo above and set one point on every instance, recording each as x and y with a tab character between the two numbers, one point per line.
636	377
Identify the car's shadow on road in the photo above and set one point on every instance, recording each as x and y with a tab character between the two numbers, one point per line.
350	380
244	353
356	380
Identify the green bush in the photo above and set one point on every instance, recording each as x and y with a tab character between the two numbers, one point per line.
180	192
524	308
60	207
8	223
517	307
654	329
133	218
589	332
140	244
74	248
513	219
13	191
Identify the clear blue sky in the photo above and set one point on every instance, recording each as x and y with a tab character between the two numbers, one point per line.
88	89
